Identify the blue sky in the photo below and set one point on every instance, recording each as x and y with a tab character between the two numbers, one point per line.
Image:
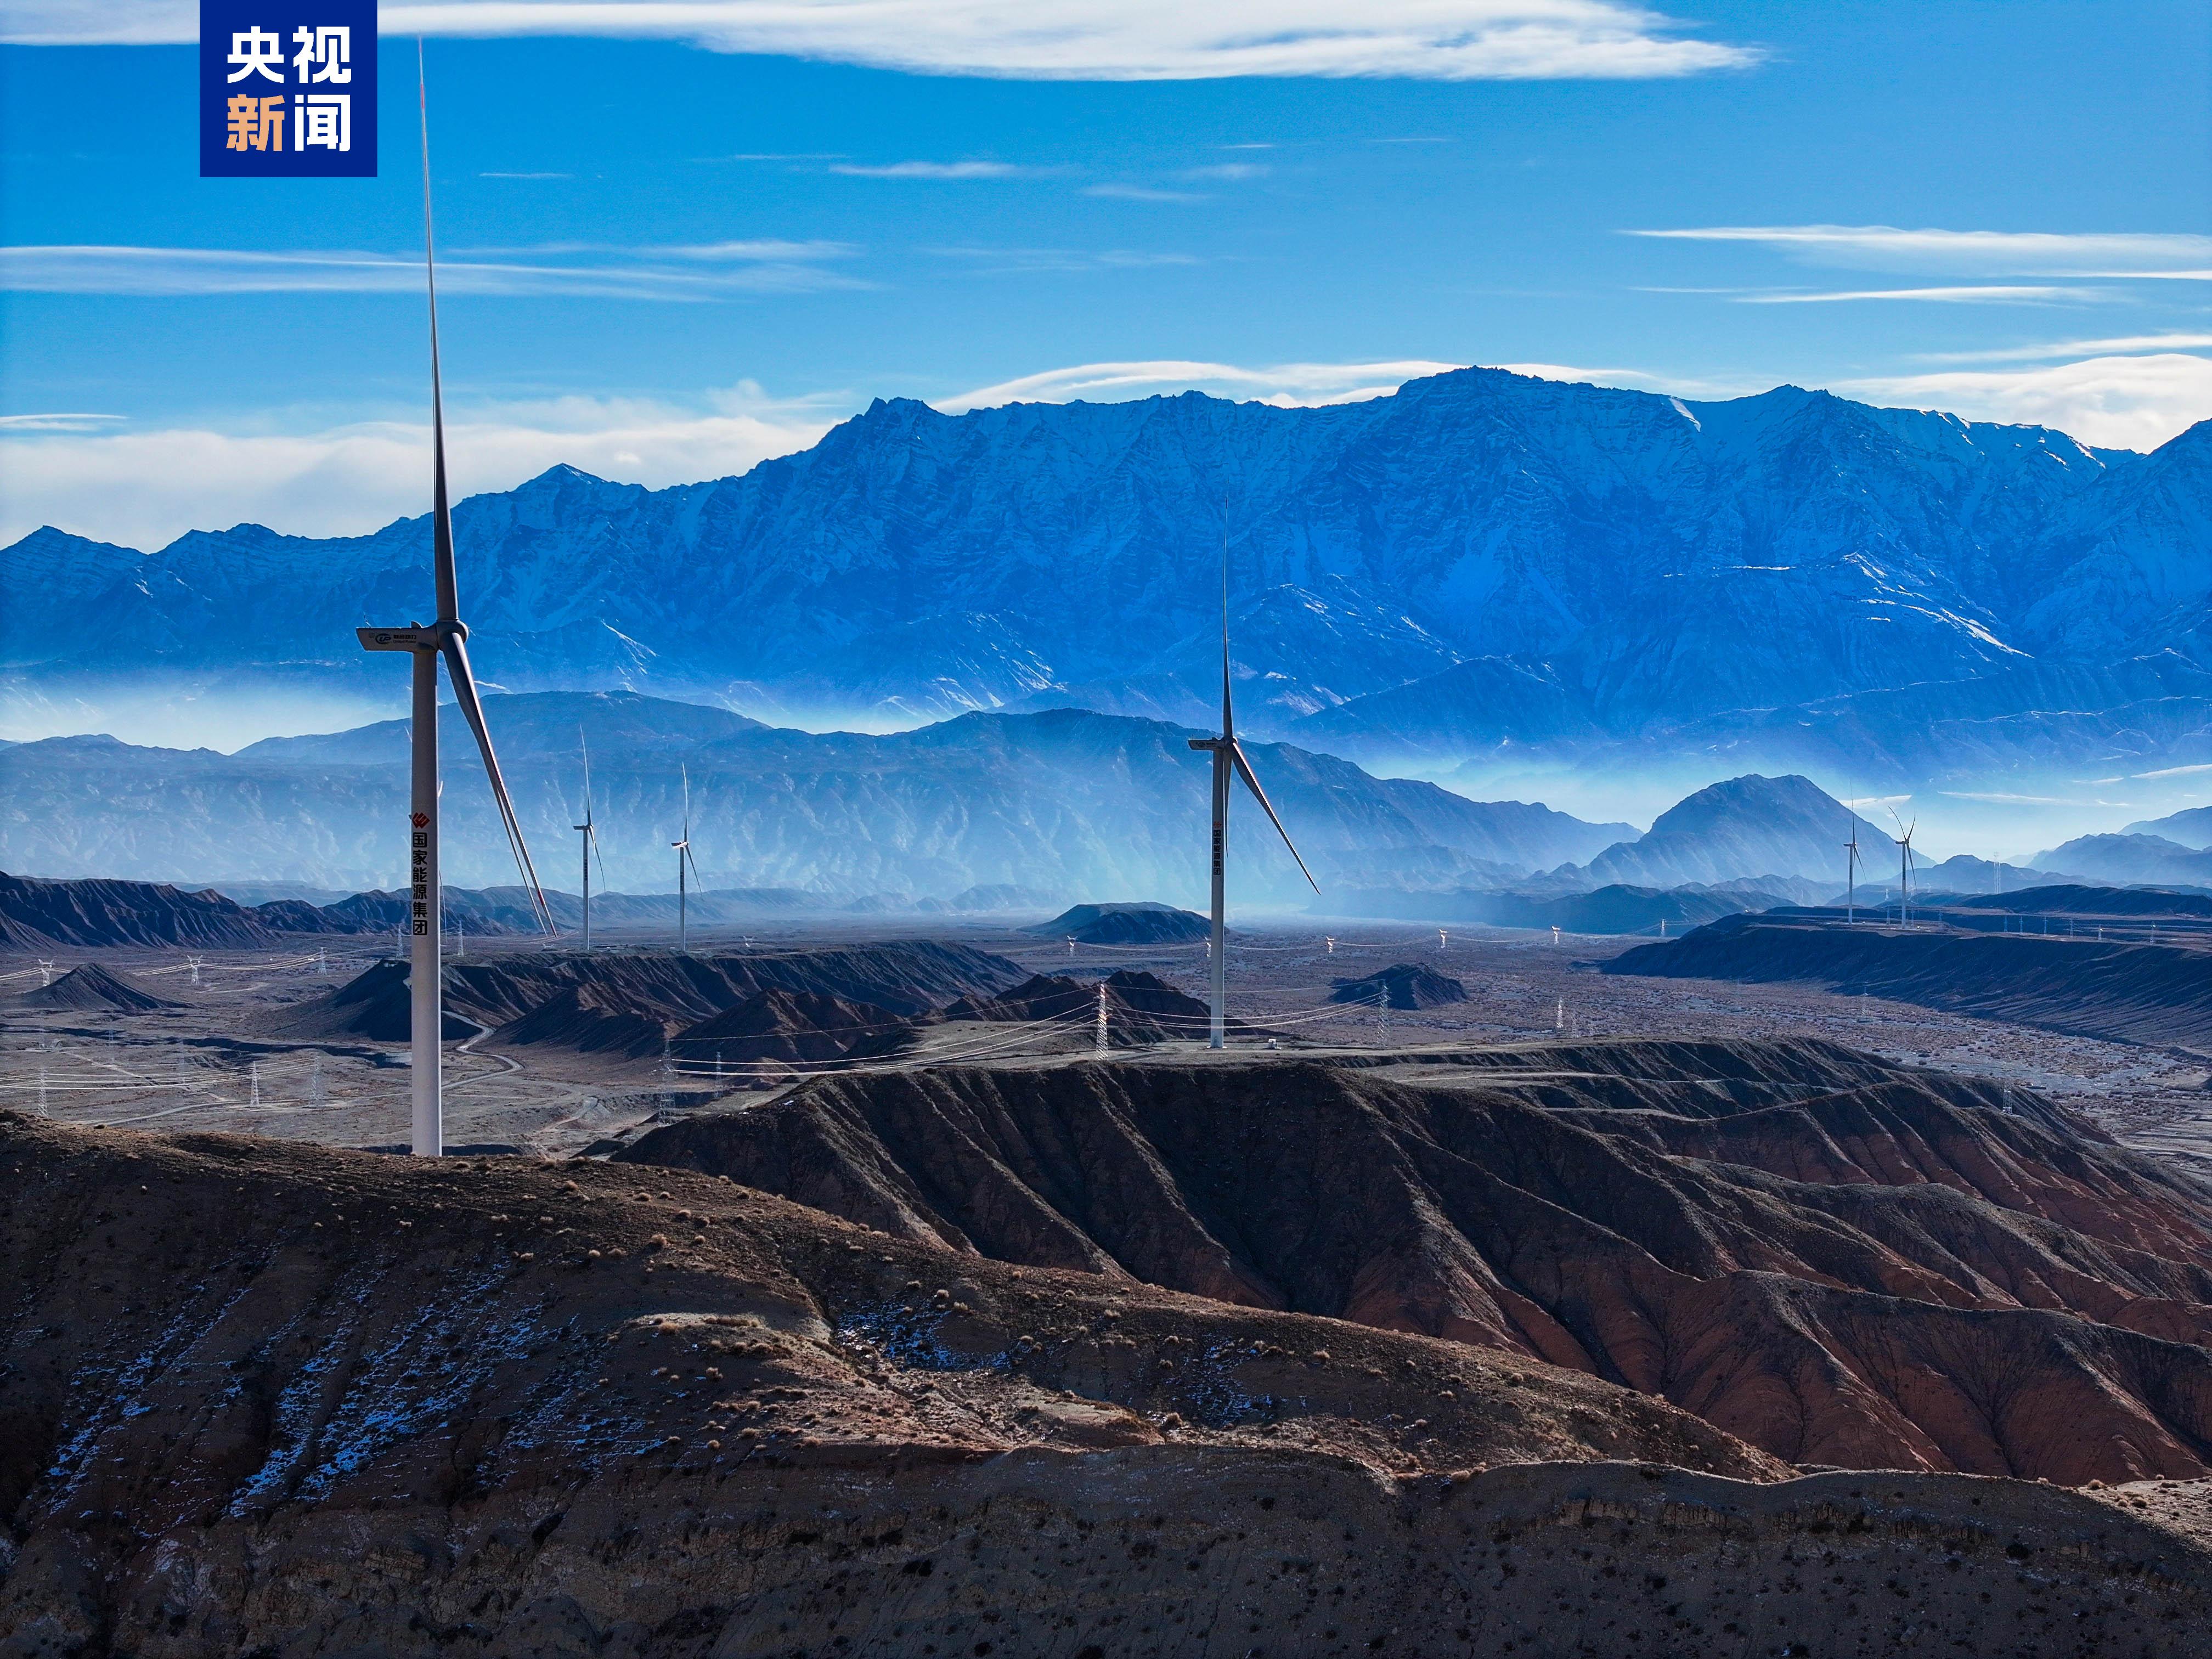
666	261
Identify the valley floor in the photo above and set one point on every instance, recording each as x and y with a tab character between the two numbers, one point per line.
211	1065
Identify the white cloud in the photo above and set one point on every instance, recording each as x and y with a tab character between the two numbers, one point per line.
1632	379
1042	39
708	272
2123	344
2119	402
996	260
56	423
1227	170
1288	385
1968	252
1981	293
1143	193
144	488
932	170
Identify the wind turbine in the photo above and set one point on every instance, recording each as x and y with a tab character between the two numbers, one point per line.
591	838
1851	872
1228	756
683	858
444	637
1905	869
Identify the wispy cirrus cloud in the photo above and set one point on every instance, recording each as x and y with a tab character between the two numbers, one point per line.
1143	193
145	488
56	422
933	170
707	271
997	261
1981	293
1227	171
1286	385
1969	253
1045	40
2118	344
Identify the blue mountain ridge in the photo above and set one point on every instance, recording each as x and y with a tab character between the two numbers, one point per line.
1481	559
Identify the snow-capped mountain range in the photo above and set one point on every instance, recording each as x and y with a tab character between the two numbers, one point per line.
1482	562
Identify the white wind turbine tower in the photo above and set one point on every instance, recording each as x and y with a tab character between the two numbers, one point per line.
683	857
444	637
1228	756
591	839
1905	869
1851	871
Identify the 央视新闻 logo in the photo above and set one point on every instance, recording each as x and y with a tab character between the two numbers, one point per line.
287	89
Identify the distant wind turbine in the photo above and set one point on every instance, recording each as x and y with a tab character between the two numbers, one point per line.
445	637
1851	871
591	839
1905	869
1228	756
684	857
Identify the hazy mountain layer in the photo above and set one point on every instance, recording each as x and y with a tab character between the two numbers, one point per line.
2191	827
2127	859
1634	559
1747	827
1078	805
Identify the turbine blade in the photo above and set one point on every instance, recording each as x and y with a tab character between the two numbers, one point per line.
1228	716
694	863
464	694
687	805
441	518
1244	771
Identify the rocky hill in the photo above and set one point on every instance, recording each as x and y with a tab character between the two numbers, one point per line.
636	1004
1403	985
35	915
1838	1260
90	988
2131	991
1138	923
401	1407
1138	1008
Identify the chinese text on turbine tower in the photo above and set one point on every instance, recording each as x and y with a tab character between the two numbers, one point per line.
287	89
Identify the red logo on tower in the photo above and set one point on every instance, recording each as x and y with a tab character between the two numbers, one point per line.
421	820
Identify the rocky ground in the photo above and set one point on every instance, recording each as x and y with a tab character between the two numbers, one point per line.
278	1398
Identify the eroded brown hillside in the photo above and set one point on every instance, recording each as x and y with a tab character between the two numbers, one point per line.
1844	1261
265	1397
